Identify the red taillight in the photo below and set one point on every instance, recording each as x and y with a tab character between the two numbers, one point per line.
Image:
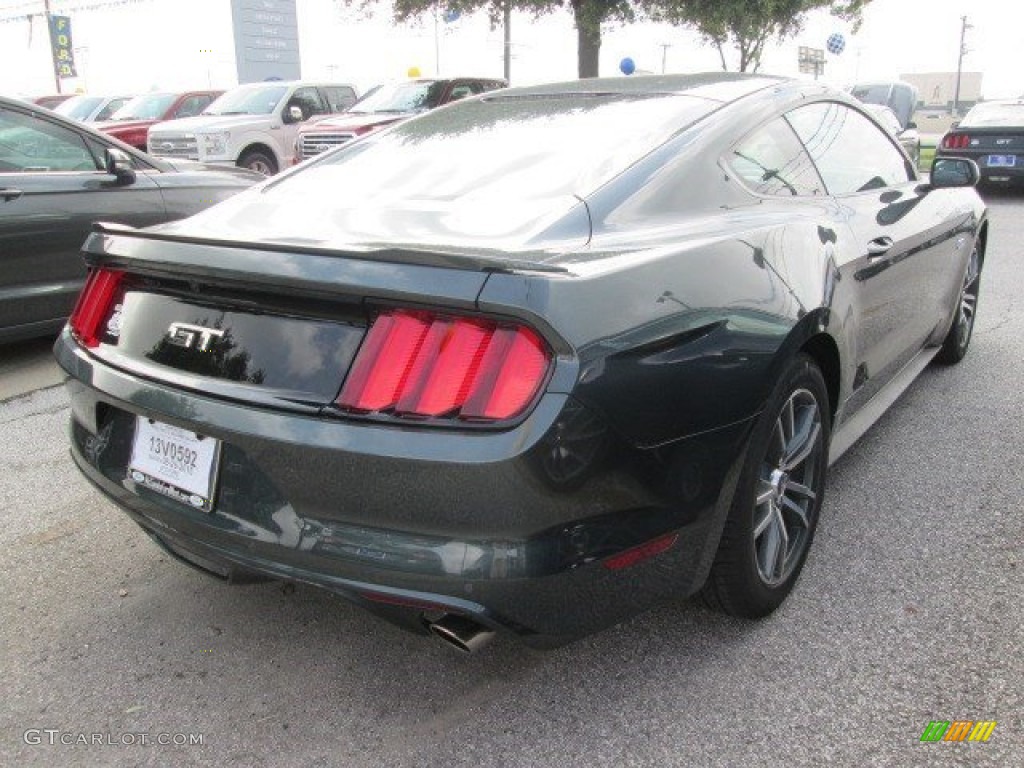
93	305
956	141
418	364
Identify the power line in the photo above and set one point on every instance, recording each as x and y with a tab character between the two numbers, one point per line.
63	8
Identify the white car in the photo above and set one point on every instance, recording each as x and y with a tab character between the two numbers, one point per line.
252	126
86	108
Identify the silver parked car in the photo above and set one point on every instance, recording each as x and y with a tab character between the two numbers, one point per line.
908	137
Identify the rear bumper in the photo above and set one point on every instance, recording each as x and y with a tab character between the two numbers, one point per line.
991	174
487	524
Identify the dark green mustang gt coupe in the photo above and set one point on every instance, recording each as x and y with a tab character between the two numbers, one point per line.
530	363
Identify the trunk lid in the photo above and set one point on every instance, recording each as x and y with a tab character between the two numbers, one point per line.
269	327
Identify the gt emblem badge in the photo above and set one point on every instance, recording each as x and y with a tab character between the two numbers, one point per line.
189	336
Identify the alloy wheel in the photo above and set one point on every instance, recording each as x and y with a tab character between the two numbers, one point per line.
968	300
788	488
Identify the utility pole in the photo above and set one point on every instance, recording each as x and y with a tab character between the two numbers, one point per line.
664	55
964	26
56	71
437	46
507	11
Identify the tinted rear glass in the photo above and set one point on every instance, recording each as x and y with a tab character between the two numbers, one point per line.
500	149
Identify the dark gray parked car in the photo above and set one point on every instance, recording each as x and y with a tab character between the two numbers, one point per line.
532	362
56	178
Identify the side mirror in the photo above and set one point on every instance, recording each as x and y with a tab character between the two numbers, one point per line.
118	164
293	114
950	172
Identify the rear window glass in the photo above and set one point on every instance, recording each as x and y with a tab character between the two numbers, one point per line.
501	149
78	107
996	115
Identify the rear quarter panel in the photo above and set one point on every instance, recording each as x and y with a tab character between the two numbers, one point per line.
684	336
692	291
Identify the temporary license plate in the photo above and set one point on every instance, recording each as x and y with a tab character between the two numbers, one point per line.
175	462
1001	161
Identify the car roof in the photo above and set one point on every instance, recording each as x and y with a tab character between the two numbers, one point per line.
288	84
1001	102
716	86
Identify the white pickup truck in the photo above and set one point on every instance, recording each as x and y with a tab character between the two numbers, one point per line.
252	126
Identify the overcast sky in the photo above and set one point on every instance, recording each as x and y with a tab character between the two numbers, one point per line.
154	44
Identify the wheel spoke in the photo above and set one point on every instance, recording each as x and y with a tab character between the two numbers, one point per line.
789	419
769	552
779	566
800	489
802	445
764	521
797	511
764	493
967	305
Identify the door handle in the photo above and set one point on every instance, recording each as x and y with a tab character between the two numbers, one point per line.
10	194
879	247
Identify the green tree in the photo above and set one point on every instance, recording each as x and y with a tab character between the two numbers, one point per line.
747	25
588	14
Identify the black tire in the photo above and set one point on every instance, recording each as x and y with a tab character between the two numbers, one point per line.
954	347
258	160
777	500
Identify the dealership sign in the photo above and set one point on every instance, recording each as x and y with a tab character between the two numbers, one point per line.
266	40
60	44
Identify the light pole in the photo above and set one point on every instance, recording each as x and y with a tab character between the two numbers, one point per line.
664	55
49	36
507	13
964	26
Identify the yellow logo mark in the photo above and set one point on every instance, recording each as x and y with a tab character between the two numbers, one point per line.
982	730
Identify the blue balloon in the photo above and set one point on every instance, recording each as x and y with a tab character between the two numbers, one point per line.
628	66
836	44
452	15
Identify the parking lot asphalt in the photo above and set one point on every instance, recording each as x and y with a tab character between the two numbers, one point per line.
27	366
908	611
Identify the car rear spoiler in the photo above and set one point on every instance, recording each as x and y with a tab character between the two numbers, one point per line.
475	260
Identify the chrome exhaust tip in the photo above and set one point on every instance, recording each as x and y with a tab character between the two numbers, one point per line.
461	633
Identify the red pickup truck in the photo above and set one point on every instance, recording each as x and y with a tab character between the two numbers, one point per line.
131	122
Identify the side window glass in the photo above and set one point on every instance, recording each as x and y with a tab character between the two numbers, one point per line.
772	161
111	108
851	153
192	106
309	101
460	91
340	98
33	145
